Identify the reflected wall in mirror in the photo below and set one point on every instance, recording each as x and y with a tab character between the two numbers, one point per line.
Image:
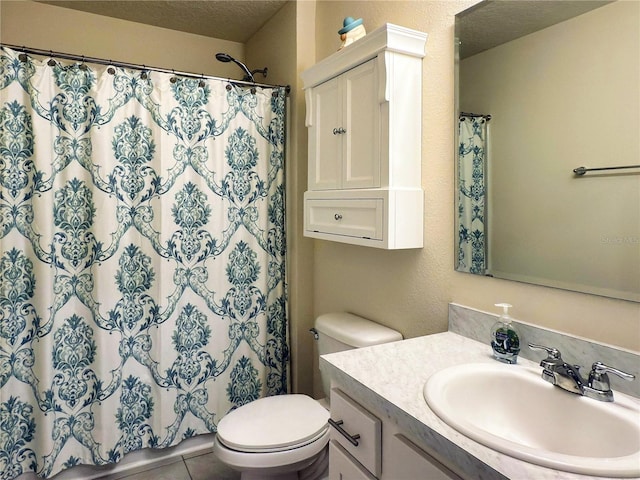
543	104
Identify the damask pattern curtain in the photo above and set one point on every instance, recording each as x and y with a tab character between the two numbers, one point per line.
142	248
472	248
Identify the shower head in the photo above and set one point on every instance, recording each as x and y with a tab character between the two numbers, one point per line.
225	57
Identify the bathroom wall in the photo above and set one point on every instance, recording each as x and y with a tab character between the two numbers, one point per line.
285	45
60	29
409	290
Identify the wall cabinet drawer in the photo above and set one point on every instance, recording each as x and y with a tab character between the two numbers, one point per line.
359	424
360	218
380	218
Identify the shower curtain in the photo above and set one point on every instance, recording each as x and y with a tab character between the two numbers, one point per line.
142	259
471	222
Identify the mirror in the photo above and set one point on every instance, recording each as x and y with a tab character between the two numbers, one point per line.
542	89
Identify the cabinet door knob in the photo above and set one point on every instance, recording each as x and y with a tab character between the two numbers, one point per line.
335	131
339	131
337	216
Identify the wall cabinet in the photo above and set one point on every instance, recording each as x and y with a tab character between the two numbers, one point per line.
343	151
367	446
365	126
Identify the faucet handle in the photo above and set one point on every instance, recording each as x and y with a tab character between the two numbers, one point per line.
551	351
554	357
599	380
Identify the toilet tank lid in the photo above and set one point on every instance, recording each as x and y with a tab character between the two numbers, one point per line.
355	331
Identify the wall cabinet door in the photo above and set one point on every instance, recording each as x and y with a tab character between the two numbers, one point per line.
325	143
343	139
361	119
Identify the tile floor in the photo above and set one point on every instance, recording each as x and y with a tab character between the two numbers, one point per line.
203	466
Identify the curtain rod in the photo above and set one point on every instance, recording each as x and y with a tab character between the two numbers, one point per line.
475	115
134	66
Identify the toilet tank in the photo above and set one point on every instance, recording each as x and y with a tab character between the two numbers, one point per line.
344	331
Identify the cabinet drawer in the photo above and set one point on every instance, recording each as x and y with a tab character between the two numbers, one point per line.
362	218
342	466
356	421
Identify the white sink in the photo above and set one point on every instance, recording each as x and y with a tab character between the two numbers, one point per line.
509	408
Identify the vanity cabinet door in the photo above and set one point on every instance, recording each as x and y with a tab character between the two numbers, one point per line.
343	466
403	460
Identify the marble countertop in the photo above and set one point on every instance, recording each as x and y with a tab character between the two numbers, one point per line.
390	378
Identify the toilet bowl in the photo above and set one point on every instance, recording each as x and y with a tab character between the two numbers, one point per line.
280	437
286	437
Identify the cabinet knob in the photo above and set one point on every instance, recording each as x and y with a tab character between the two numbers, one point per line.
337	216
339	131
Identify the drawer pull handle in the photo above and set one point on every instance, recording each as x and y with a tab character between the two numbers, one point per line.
337	216
338	426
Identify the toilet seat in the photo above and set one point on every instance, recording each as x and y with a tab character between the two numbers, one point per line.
274	424
285	461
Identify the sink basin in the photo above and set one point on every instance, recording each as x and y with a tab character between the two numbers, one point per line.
509	408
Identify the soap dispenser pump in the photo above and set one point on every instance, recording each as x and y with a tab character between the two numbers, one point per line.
505	340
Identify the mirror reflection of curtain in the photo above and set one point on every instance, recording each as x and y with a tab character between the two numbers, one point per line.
471	223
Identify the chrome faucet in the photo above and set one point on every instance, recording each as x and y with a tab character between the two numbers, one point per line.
566	376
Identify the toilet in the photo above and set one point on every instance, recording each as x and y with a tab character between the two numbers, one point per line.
286	437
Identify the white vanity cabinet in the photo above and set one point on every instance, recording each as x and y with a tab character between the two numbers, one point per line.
365	126
365	445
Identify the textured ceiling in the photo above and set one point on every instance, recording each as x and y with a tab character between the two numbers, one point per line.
492	23
483	26
234	20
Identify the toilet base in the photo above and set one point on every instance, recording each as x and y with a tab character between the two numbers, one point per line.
318	469
262	476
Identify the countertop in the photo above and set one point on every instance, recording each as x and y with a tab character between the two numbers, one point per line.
389	378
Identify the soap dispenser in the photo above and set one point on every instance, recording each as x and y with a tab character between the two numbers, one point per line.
505	340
